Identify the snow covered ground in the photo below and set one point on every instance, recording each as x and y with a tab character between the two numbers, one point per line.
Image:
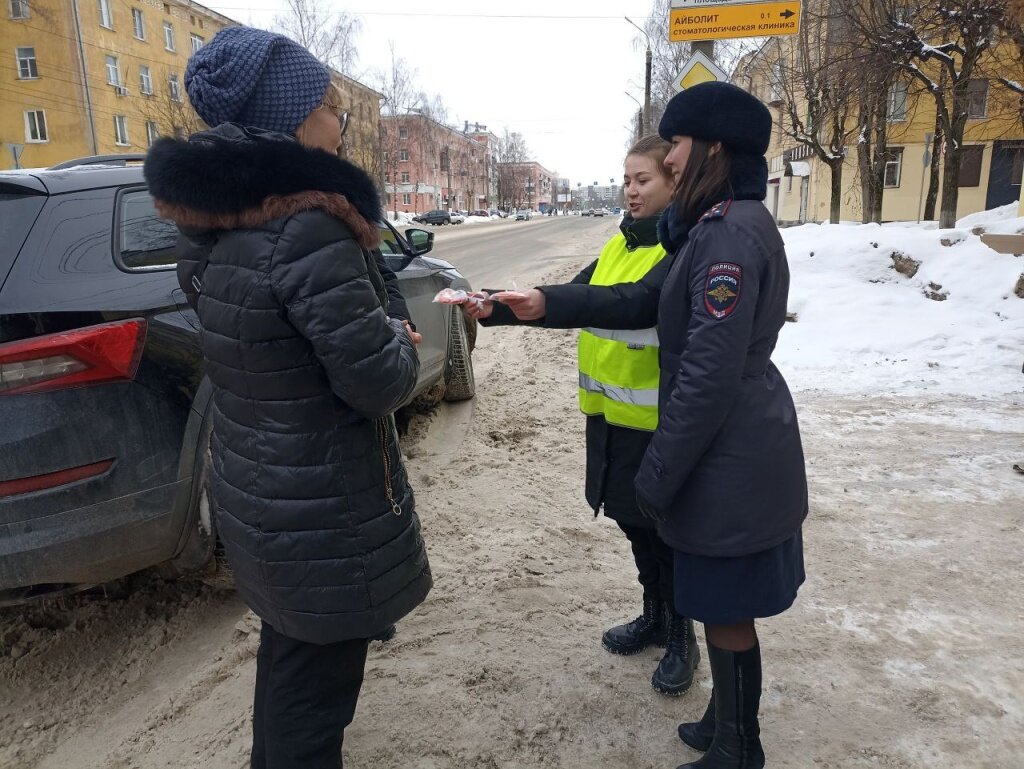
862	327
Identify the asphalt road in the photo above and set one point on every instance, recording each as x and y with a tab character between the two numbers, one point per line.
498	254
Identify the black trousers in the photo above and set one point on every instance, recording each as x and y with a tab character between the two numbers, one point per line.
306	695
653	562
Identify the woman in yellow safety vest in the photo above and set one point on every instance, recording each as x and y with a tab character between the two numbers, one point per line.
618	391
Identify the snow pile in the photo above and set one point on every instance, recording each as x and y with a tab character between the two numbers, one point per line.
954	326
480	219
400	219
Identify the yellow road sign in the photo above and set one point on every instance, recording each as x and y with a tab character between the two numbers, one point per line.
698	69
720	22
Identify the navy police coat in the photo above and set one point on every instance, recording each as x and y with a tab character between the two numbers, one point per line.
724	474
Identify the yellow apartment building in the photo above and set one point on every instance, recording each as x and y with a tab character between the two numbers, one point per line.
992	164
88	77
361	138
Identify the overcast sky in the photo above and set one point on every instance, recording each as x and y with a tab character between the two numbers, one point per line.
554	70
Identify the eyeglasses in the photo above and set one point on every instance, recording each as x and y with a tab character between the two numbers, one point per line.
340	112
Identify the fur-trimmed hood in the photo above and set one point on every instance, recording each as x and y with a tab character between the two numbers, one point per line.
232	177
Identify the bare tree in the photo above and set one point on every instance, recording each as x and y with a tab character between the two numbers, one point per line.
812	79
950	37
171	113
512	171
396	83
329	35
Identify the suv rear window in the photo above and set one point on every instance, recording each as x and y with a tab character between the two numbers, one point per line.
18	212
144	240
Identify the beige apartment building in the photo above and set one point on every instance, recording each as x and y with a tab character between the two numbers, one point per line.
992	163
87	77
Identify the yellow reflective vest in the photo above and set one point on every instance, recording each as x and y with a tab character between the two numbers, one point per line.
619	369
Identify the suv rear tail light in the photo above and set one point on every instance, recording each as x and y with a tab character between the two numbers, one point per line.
106	353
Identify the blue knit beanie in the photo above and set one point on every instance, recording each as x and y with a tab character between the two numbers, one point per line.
256	78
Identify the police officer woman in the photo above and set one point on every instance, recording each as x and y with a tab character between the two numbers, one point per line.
618	377
724	474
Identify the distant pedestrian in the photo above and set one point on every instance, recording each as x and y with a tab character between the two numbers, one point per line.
312	502
724	475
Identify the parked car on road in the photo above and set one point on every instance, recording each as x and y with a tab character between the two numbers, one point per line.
523	214
496	212
434	217
456	217
480	212
587	212
597	212
104	406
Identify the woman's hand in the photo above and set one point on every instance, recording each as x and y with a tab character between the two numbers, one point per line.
479	310
413	335
532	305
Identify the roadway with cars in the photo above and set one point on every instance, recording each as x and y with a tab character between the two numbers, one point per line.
493	255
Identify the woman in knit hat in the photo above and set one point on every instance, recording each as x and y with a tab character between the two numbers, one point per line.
312	503
724	474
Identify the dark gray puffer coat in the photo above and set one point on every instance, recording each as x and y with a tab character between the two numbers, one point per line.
313	505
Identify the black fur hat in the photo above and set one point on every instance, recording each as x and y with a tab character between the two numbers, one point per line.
719	112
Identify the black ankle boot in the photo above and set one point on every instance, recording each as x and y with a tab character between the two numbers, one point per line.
675	671
635	636
699	734
737	740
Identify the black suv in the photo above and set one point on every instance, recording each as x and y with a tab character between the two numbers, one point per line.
103	401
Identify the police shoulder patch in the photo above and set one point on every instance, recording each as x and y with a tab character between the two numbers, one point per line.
722	289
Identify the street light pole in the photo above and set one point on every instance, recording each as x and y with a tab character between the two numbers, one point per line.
647	78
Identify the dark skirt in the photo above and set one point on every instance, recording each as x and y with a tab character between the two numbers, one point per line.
723	591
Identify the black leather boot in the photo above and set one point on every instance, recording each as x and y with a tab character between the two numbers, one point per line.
675	671
699	734
633	637
737	740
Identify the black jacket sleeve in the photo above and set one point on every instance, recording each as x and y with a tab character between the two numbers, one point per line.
710	368
503	315
326	292
624	305
397	308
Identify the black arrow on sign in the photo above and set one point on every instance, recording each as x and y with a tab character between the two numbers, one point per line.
787	13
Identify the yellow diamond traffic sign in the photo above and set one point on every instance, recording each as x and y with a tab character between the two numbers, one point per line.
698	69
721	22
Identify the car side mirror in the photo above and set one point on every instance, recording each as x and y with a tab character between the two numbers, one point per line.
420	240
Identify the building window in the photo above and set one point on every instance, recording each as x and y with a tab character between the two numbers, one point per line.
106	17
152	132
1017	169
169	36
403	155
970	165
18	9
405	177
893	166
407	199
35	127
145	80
197	42
120	130
27	68
897	103
173	88
138	27
403	133
977	99
113	70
